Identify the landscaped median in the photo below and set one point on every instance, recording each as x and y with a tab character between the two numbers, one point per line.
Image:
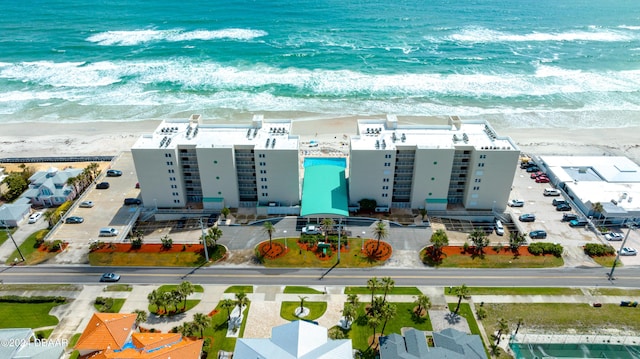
492	257
125	254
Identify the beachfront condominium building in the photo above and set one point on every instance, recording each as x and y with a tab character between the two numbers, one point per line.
186	163
463	163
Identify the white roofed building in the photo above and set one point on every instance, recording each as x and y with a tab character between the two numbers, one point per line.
299	340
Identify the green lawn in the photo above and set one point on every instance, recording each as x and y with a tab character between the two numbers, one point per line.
497	261
300	290
4	236
239	289
316	310
360	331
520	291
607	261
115	308
466	312
619	292
30	287
562	318
218	332
29	251
27	315
394	291
118	288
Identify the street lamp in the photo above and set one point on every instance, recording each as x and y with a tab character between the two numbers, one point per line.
285	239
363	234
6	228
204	241
613	267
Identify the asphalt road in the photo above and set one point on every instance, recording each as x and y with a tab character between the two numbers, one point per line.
556	277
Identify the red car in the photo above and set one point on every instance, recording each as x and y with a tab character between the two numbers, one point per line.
536	174
542	179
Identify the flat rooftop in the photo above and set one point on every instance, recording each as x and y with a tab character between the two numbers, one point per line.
260	135
388	135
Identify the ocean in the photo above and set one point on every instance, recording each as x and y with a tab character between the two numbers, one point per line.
545	63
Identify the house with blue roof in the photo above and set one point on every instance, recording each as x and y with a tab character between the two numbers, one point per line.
49	188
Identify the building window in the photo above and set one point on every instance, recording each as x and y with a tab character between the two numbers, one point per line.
264	194
385	180
385	195
433	178
172	178
171	171
483	156
476	188
430	193
387	156
169	163
214	162
478	180
176	201
264	186
385	187
387	164
174	186
167	155
263	172
217	177
263	179
481	164
435	162
219	193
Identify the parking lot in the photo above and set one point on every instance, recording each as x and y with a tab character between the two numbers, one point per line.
108	209
550	220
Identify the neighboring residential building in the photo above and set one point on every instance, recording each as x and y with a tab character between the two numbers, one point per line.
111	335
49	188
185	162
613	181
11	214
448	344
463	163
297	339
21	343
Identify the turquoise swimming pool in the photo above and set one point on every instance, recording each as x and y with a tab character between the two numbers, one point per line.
552	351
319	161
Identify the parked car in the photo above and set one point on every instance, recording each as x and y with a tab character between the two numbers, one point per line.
137	184
114	173
613	236
578	222
516	203
551	192
74	219
542	179
556	201
536	174
311	230
108	232
35	217
110	277
212	220
86	204
102	185
538	234
563	207
182	222
533	169
569	217
525	165
130	201
628	251
499	228
527	217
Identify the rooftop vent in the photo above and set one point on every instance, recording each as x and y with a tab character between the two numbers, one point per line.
268	140
273	143
403	138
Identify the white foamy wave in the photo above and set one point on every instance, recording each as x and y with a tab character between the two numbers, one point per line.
137	37
63	74
484	35
630	27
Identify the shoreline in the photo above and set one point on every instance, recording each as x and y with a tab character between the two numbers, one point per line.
112	137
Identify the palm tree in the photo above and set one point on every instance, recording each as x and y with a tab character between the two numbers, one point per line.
353	300
302	299
503	326
269	229
212	237
201	322
228	305
423	212
387	284
327	225
141	316
155	298
372	285
439	239
461	291
380	232
72	182
422	302
520	322
186	329
241	301
388	311
169	299
349	313
185	289
479	239
93	169
225	212
373	323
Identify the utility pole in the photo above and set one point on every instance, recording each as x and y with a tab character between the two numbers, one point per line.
339	233
204	241
613	267
6	228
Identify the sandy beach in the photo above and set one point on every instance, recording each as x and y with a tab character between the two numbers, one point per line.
110	138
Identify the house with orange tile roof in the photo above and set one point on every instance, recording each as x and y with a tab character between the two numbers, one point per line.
112	336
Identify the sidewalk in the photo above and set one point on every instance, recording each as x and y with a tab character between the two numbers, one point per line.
20	235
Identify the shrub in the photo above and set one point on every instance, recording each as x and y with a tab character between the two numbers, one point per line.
539	248
465	247
54	246
597	250
136	243
95	245
35	299
103	304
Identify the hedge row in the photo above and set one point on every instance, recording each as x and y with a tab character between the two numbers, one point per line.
36	299
538	248
598	250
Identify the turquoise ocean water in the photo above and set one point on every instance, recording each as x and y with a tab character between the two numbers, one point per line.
518	63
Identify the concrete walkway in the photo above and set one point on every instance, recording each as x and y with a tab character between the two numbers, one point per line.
20	235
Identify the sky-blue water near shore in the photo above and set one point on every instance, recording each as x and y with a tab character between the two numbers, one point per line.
541	63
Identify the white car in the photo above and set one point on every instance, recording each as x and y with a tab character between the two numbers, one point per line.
35	217
86	204
516	203
311	230
628	251
612	236
499	228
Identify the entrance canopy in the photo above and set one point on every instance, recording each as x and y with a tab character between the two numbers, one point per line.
324	192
